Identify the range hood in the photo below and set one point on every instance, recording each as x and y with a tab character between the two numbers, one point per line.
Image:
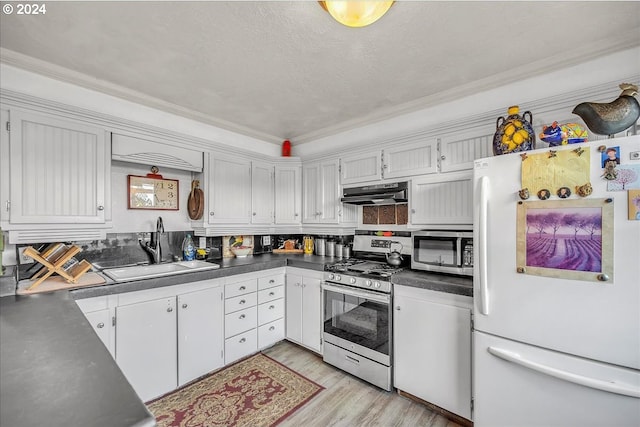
378	194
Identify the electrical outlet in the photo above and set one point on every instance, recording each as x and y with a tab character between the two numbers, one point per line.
266	240
23	258
634	155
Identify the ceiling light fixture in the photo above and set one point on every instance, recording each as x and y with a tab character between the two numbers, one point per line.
356	13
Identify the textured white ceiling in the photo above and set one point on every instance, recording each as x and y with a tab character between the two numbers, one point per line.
286	70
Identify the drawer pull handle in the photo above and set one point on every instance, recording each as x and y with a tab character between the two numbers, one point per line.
242	302
271	307
271	294
272	281
242	316
243	340
242	288
273	328
184	305
100	325
169	310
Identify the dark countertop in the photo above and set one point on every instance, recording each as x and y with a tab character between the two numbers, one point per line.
436	282
55	371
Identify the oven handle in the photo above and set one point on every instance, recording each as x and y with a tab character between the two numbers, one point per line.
348	291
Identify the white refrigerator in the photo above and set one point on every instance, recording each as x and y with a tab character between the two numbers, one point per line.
554	351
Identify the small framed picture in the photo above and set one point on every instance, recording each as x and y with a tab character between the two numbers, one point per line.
610	155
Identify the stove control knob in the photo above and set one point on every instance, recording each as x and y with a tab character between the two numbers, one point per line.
368	283
331	276
376	284
352	280
338	277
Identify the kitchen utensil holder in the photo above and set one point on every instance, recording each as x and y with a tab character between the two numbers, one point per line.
56	265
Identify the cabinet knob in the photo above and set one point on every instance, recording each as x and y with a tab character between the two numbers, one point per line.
100	208
211	213
271	307
242	340
385	166
271	294
254	214
100	325
169	310
413	211
272	281
295	214
443	157
242	288
242	302
273	328
397	308
184	305
242	316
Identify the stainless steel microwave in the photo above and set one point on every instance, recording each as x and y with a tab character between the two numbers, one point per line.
443	251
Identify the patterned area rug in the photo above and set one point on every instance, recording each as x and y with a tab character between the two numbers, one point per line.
257	391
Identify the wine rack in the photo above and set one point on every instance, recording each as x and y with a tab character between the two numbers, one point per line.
57	258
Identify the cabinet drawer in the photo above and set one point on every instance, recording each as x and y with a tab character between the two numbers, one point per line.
240	346
270	311
240	302
240	288
270	333
270	294
270	281
240	321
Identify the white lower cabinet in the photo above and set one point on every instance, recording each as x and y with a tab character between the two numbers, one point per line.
101	316
304	308
200	333
432	347
146	346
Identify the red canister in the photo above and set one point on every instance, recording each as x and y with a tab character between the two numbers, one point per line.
286	148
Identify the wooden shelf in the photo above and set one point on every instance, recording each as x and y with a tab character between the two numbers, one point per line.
53	259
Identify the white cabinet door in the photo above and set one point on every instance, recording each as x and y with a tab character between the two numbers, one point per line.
312	313
200	333
60	171
229	190
361	167
417	158
433	361
294	307
459	150
311	193
101	322
261	193
146	347
304	309
288	195
442	199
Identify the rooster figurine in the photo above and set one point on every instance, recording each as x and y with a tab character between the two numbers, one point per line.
613	117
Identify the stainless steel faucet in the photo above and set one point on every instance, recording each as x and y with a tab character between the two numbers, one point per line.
153	247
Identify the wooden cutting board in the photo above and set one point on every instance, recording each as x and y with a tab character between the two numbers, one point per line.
56	283
287	251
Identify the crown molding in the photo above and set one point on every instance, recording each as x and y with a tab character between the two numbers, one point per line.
63	74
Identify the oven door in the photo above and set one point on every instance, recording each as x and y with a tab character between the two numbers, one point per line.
358	321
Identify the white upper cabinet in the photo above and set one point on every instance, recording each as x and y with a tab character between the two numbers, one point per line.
321	192
361	167
416	158
398	161
229	190
261	193
288	195
58	170
56	178
442	199
459	150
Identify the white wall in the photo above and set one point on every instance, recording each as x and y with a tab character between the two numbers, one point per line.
134	220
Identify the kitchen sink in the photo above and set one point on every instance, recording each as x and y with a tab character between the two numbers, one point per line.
136	272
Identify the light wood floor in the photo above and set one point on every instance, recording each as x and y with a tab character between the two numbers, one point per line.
348	401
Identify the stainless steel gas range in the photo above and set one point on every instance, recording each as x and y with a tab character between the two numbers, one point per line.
358	316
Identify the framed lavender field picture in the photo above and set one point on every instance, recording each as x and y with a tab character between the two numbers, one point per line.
569	239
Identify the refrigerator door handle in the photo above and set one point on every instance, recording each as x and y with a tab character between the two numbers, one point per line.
608	386
482	245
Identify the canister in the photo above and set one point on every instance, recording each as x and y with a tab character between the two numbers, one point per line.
330	248
346	251
319	245
339	250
